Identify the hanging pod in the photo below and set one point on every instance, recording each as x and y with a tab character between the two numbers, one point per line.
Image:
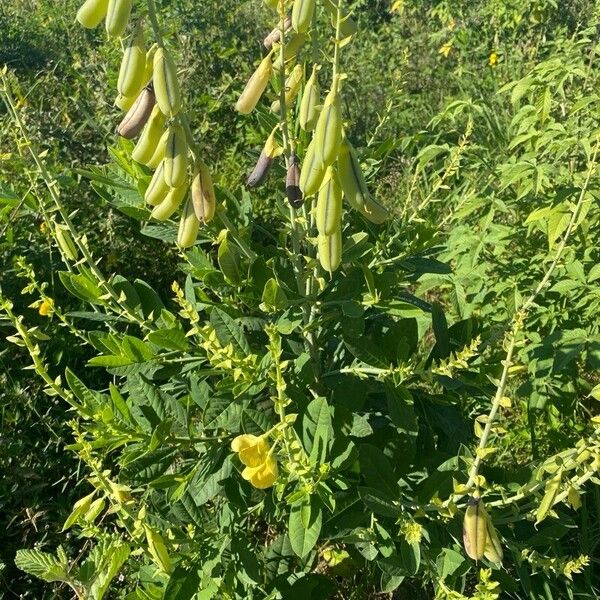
133	66
150	139
157	189
475	528
309	105
176	157
330	250
329	204
137	116
91	13
117	17
255	87
170	204
203	194
292	87
328	131
292	183
188	226
275	35
166	85
312	172
268	154
302	13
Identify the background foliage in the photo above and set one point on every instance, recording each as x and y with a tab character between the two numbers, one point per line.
478	121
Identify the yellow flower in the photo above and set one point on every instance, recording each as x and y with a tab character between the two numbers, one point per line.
493	59
43	227
445	49
255	454
45	307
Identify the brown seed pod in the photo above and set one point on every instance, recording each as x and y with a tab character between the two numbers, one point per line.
292	187
260	171
138	115
275	35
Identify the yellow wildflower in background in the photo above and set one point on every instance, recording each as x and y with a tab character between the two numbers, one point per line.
45	308
445	49
493	59
255	454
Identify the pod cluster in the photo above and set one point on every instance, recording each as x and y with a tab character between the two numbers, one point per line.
150	94
330	169
479	535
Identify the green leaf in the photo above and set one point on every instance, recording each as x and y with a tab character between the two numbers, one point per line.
183	584
377	470
273	297
81	287
228	331
229	262
171	339
304	526
316	429
440	330
42	565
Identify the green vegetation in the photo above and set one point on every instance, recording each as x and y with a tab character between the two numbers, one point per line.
242	419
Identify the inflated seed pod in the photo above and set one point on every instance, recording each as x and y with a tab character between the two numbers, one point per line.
137	116
170	204
203	194
255	87
312	173
475	528
158	550
330	250
292	183
125	102
309	105
159	153
328	131
166	85
66	243
117	17
493	547
157	189
275	35
329	204
268	154
290	50
149	140
375	212
351	177
133	65
176	157
302	13
149	68
92	12
292	87
347	26
188	226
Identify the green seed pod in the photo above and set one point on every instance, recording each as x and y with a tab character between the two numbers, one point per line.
290	50
159	153
137	116
92	12
309	106
292	87
157	189
328	131
493	547
255	87
117	17
475	529
149	140
354	186
66	243
149	68
330	250
329	204
275	35
188	226
176	157
133	66
312	172
166	86
170	204
302	13
203	194
124	102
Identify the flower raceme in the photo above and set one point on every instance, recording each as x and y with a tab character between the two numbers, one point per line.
256	455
